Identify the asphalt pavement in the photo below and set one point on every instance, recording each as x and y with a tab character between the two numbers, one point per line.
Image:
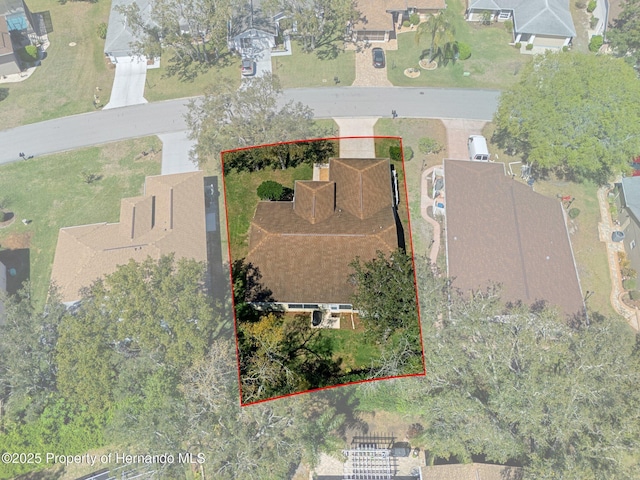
104	126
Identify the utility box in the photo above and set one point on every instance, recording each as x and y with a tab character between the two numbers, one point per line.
478	150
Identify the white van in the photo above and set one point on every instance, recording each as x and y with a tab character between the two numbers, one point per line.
478	150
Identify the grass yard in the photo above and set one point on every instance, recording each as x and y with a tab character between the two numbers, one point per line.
589	252
493	63
51	192
160	86
315	69
242	198
67	80
411	131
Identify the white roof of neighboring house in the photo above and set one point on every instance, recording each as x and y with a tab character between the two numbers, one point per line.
537	17
119	37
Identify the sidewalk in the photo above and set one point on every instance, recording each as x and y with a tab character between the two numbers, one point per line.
605	227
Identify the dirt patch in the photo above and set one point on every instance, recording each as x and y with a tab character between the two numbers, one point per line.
384	423
16	241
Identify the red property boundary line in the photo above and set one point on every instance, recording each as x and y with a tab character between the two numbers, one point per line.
415	277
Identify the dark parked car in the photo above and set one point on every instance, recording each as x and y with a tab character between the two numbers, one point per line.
248	67
378	57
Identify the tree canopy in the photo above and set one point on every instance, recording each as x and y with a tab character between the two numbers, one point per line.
624	35
575	114
317	23
228	118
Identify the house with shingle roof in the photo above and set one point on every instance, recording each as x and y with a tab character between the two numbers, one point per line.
379	18
302	248
168	218
629	200
472	471
543	23
499	231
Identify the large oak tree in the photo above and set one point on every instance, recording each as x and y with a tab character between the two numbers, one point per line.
574	113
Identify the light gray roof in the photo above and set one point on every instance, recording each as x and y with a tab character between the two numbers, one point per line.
537	17
119	37
631	191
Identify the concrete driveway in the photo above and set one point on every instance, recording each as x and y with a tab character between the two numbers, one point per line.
356	147
458	131
175	153
128	84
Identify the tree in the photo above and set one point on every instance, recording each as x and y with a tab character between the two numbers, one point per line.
27	353
194	30
281	355
317	22
441	30
259	442
158	311
559	116
385	294
227	118
625	34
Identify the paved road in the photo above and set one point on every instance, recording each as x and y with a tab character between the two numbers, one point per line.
105	126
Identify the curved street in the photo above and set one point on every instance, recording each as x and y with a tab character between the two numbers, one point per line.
116	124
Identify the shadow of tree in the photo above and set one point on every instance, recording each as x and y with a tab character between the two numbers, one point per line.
4	93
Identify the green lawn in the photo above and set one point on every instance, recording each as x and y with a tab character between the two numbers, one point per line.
242	199
350	346
161	86
493	63
314	69
50	192
67	80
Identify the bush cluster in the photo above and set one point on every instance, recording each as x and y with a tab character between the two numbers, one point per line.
595	43
464	50
29	53
591	6
270	190
414	19
428	145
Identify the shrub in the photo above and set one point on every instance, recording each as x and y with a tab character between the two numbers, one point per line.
574	212
408	153
518	45
591	6
529	46
634	295
406	24
89	177
565	48
101	30
395	153
29	53
414	430
508	25
595	43
464	50
593	22
629	284
270	190
429	145
414	19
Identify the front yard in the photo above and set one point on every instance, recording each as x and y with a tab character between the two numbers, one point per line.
51	192
315	69
493	62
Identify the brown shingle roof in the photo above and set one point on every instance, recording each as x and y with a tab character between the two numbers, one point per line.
501	231
472	471
168	218
375	14
305	261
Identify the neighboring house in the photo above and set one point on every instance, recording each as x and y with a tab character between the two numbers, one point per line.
379	18
252	31
499	231
303	248
16	32
542	23
629	217
472	471
117	45
168	218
